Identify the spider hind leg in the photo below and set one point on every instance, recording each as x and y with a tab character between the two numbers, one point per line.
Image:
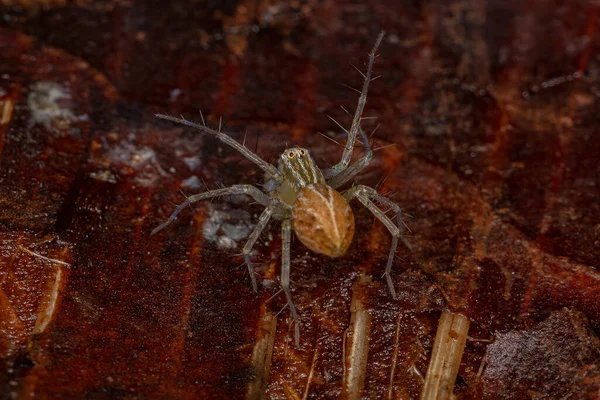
366	195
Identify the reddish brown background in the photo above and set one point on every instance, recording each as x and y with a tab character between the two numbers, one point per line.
494	109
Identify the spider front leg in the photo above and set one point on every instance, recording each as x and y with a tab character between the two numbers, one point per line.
355	128
250	190
265	166
360	164
286	239
365	195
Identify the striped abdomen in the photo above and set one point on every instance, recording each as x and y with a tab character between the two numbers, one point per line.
323	220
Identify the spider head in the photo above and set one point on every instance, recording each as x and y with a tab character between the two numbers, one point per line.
299	169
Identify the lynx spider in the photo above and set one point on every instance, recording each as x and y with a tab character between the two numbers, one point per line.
305	198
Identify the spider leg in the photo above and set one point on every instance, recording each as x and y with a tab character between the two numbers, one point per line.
286	238
271	171
263	221
355	128
397	210
351	171
365	195
250	190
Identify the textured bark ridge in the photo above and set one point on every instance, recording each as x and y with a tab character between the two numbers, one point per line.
493	107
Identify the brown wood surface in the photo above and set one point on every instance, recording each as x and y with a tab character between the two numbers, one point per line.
494	109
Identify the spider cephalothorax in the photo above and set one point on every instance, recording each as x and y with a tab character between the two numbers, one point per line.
306	200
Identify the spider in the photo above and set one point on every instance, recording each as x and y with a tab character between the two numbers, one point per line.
305	198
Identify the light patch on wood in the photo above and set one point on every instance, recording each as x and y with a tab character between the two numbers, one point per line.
394	357
448	348
261	358
33	253
48	106
358	351
312	371
6	107
49	301
48	305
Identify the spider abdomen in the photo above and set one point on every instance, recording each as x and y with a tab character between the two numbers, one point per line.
323	220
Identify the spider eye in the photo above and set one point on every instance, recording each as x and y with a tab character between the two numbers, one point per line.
302	152
291	154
